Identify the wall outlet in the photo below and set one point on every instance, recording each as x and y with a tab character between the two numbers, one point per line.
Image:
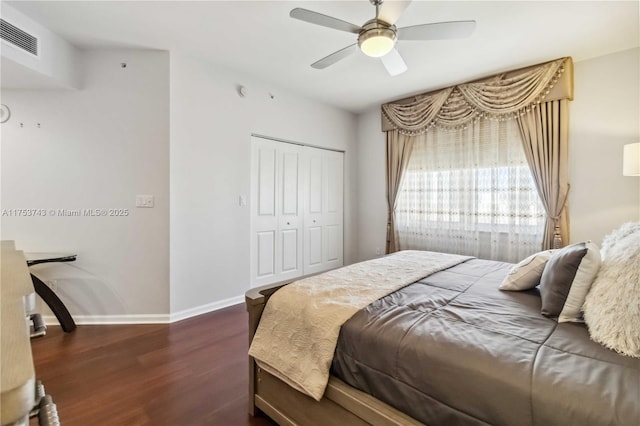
378	251
144	201
53	285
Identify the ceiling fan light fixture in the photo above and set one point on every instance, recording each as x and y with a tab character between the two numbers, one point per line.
378	36
377	39
377	46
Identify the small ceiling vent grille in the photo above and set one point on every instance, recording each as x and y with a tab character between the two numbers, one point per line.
17	37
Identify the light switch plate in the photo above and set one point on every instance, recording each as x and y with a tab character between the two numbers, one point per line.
144	201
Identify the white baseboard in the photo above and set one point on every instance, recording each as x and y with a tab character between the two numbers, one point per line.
203	309
150	318
112	319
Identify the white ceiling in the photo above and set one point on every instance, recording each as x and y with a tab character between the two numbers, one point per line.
258	38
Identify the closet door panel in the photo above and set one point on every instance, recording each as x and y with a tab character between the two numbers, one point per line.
334	183
315	175
276	203
264	218
333	243
332	217
266	181
314	247
290	176
290	248
266	254
314	195
323	216
289	196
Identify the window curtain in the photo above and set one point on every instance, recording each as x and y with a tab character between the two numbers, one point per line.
545	133
399	148
509	96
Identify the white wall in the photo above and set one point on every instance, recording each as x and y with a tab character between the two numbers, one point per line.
372	184
604	116
211	130
96	148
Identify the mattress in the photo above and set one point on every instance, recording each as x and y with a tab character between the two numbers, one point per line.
452	349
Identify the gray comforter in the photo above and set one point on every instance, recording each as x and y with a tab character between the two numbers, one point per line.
453	349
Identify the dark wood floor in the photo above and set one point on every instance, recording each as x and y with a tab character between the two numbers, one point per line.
193	372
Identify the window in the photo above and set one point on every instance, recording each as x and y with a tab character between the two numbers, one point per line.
470	192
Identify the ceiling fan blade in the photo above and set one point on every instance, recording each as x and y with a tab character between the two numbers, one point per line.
323	20
391	10
335	57
437	31
394	63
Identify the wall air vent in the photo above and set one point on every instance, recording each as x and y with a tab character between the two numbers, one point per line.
17	37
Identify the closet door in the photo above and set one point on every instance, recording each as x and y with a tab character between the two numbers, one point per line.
276	220
323	218
333	210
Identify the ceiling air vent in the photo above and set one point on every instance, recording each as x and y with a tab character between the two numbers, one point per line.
17	37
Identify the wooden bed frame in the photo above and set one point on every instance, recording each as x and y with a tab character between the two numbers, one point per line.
341	405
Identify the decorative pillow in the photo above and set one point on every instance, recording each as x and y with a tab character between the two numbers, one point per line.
526	274
612	307
566	280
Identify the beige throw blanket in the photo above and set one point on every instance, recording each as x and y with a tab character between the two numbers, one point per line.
299	328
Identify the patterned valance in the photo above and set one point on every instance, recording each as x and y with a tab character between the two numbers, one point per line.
500	97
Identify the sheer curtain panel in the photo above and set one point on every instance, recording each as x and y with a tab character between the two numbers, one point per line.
470	191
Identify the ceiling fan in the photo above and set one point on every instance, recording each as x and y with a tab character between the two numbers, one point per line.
378	36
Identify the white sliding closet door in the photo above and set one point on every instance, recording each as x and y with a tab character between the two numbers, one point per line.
276	217
323	242
296	210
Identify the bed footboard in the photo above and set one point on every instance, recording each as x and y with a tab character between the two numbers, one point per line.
255	300
342	404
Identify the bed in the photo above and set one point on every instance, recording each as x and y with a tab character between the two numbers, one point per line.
451	348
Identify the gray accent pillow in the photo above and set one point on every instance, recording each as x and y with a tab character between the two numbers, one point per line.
566	280
526	274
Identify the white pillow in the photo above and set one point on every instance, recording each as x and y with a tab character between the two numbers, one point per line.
526	274
612	306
